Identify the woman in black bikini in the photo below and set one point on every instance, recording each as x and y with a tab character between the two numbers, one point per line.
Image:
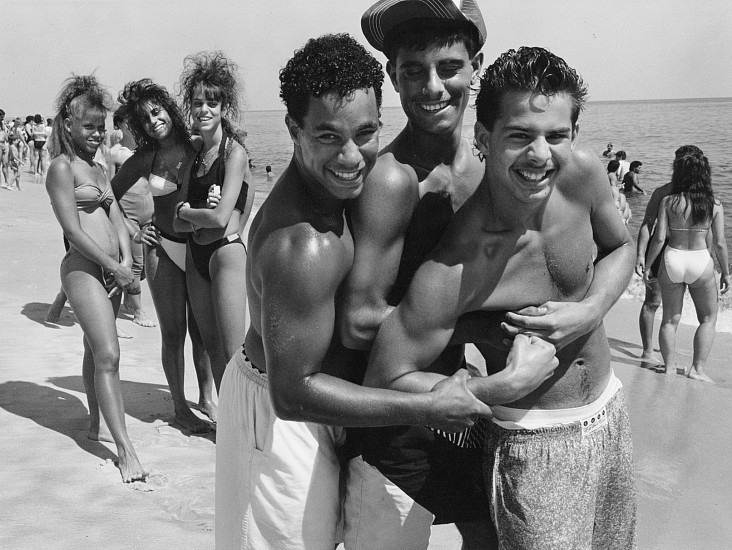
216	254
98	263
163	145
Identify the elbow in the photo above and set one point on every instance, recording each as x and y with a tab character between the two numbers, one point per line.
286	407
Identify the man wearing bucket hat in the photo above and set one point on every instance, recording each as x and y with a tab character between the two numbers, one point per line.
420	180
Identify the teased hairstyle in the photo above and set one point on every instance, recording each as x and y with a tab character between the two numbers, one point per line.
332	63
613	166
217	75
635	164
136	97
527	70
687	150
119	116
621	154
692	178
417	35
38	119
80	93
2	113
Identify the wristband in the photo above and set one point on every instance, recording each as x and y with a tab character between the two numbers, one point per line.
177	210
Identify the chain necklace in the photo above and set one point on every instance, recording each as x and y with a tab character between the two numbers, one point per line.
209	157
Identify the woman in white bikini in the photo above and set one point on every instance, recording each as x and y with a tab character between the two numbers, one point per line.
686	217
98	263
216	253
163	144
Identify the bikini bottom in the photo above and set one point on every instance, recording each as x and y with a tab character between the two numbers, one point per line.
174	247
685	266
201	253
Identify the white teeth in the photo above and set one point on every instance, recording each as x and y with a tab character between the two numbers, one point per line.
532	176
347	176
431	107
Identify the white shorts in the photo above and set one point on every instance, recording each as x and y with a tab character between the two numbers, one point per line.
277	482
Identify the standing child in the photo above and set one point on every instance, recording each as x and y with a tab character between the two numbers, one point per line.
13	163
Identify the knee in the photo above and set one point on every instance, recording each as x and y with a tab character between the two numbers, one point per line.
671	321
106	358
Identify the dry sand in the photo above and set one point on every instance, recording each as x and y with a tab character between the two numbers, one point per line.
61	490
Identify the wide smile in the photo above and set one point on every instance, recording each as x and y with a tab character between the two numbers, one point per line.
347	176
433	106
534	181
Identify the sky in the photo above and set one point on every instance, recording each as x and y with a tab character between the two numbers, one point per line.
624	49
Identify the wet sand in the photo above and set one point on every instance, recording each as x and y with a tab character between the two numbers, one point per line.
60	489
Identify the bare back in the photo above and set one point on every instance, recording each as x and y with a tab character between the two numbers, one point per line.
682	232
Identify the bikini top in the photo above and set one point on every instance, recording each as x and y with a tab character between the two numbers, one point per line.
199	185
161	185
89	196
700	229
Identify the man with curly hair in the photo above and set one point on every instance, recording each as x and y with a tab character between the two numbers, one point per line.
287	395
558	460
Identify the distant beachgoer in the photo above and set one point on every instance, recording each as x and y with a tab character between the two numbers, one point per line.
217	255
163	144
98	263
612	168
630	180
137	207
620	156
270	174
14	161
609	153
4	172
28	128
685	217
652	297
39	142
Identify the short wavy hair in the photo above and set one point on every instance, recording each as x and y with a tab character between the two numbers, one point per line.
332	63
79	93
135	98
218	76
527	70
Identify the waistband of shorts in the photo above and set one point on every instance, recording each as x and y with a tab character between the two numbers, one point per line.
249	371
532	419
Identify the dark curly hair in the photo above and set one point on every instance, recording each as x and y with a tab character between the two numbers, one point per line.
527	70
79	93
692	178
217	75
136	97
332	63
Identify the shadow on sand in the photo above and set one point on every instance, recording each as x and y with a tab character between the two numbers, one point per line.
36	311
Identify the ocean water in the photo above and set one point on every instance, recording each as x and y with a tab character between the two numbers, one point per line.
649	131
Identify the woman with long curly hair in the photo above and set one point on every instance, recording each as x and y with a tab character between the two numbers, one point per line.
98	263
216	261
686	217
163	144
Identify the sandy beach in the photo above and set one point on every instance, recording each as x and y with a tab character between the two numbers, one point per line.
62	490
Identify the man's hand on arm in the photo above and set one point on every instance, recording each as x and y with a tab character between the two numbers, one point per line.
530	362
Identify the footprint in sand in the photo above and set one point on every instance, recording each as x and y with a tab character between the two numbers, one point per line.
153	482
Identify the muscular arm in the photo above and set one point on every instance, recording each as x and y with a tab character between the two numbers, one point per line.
561	323
379	216
300	279
420	327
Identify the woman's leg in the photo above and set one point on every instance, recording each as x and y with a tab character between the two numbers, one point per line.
168	290
96	315
672	297
706	301
199	294
203	369
229	292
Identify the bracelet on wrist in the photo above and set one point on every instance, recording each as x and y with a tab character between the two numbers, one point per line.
177	210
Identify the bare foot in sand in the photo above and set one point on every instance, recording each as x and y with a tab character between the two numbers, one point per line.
649	358
98	431
141	318
54	310
188	420
122	333
130	468
209	409
694	375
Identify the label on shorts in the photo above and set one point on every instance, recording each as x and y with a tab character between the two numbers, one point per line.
594	423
